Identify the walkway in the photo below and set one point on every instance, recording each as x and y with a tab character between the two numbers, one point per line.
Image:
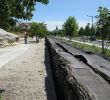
9	53
28	77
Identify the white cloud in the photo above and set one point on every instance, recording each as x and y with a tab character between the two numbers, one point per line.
51	25
82	23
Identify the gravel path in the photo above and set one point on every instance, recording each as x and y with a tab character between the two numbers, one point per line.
9	53
28	76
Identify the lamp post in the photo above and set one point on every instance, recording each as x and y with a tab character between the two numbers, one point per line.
92	18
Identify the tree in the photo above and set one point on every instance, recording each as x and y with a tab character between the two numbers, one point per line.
61	32
42	29
16	9
88	30
103	23
58	32
70	27
38	29
4	13
81	31
33	29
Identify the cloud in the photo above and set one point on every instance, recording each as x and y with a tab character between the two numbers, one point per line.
51	25
82	23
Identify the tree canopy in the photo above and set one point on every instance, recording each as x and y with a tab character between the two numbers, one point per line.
10	10
103	22
88	30
81	31
70	27
38	29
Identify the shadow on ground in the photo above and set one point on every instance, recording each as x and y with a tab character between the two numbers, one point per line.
48	80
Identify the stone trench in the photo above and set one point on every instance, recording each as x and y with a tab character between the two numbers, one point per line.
74	80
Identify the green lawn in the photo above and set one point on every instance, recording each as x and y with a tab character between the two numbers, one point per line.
0	97
89	48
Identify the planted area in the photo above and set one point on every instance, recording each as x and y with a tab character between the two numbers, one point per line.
89	48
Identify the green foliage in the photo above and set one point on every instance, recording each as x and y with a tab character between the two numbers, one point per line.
38	29
33	29
70	27
1	97
89	48
87	30
81	31
103	24
61	32
16	9
58	32
93	30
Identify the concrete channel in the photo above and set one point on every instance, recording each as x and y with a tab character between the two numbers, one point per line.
78	75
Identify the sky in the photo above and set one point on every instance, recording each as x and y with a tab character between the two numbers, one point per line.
57	11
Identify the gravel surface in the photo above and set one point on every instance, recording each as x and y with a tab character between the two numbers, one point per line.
28	77
9	53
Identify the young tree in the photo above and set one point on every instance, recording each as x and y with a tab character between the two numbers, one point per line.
103	23
61	32
42	29
38	29
81	31
88	30
58	32
70	27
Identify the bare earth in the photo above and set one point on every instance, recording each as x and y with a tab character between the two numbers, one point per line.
28	76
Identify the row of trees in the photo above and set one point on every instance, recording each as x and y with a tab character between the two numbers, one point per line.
32	29
13	10
100	28
87	31
69	28
40	29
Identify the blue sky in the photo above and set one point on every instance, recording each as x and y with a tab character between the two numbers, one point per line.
57	11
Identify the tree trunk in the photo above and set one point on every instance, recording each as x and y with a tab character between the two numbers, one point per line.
103	49
25	38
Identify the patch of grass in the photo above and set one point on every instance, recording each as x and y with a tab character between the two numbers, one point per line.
1	97
89	48
107	52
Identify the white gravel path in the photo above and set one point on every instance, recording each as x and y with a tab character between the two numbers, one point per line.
9	53
28	76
